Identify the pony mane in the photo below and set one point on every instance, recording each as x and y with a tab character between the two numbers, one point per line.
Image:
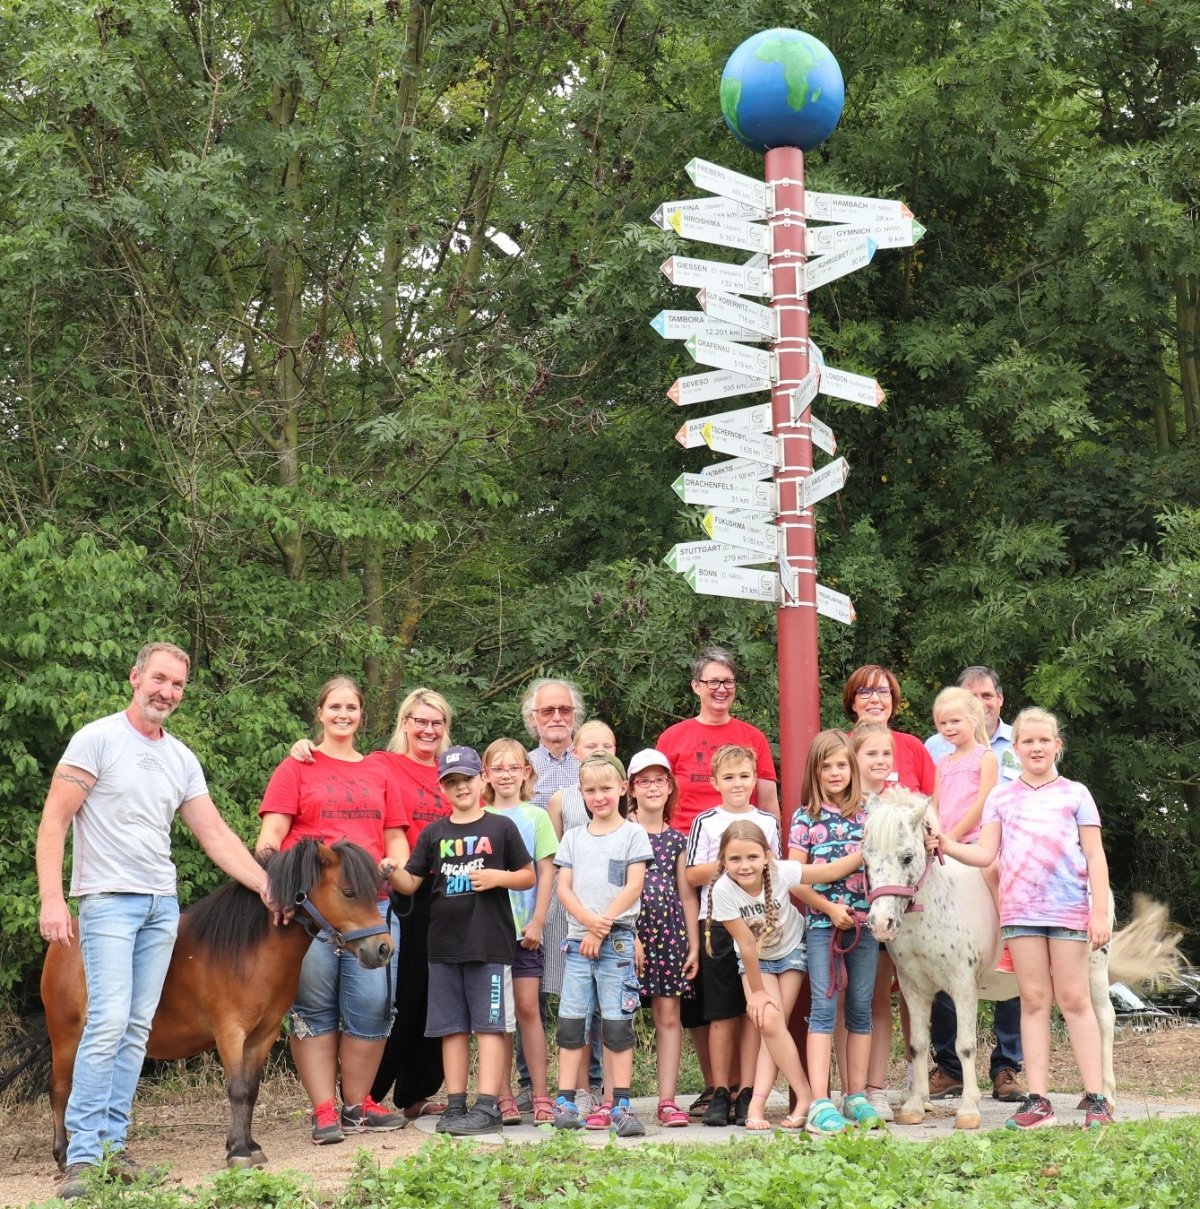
232	919
889	822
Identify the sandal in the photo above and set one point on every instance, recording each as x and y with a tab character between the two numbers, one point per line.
543	1110
599	1118
699	1106
510	1114
758	1124
794	1122
424	1108
671	1115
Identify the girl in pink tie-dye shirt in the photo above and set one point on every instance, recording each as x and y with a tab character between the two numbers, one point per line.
1046	831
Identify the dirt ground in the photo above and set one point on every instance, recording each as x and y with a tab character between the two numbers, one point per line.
184	1128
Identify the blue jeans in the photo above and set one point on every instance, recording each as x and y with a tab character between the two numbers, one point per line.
860	982
608	981
336	992
126	942
943	1028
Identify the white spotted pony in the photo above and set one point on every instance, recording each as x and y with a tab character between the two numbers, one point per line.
942	931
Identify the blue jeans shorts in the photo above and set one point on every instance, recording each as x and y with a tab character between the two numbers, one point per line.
336	992
1016	931
796	960
609	981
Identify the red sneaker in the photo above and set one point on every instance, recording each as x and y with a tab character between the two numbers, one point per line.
1033	1114
1004	963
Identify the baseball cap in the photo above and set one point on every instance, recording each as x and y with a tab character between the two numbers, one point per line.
649	758
459	761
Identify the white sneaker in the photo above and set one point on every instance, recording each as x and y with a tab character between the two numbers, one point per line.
583	1101
877	1098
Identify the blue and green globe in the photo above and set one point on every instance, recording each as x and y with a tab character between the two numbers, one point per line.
782	88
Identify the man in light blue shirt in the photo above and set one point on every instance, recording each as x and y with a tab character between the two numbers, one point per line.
946	1077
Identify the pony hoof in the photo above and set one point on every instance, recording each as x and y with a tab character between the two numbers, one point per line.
258	1159
967	1120
239	1162
909	1116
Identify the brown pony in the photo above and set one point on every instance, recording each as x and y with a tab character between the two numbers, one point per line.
233	976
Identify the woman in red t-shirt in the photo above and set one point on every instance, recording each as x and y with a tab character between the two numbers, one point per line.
341	1015
872	694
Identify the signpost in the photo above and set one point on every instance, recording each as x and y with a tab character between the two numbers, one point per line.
752	521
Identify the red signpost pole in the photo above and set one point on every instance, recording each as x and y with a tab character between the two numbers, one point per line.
796	618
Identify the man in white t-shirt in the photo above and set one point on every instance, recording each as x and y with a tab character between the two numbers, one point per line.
118	786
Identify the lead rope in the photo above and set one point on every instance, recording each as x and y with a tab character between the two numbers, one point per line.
838	977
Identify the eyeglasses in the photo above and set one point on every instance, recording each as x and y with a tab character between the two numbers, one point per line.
714	685
511	770
433	724
880	690
651	782
548	711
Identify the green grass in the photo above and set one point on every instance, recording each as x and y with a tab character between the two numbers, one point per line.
1150	1165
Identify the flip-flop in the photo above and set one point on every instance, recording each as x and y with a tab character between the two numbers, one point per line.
758	1125
424	1108
794	1122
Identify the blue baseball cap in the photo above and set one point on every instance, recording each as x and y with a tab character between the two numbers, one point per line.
459	761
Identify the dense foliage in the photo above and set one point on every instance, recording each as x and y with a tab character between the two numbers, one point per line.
324	345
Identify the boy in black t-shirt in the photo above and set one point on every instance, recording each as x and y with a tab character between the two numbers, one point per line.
475	859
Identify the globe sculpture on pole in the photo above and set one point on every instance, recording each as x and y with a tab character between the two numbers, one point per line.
782	88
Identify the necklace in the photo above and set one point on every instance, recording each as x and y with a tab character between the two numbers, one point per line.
1043	785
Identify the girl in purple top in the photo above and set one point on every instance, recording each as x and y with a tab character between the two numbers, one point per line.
1046	831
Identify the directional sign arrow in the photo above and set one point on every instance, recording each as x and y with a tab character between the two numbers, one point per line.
854	388
747	534
679	325
819	241
699	388
715	554
729	308
745	419
726	232
743	514
825	269
725	439
822	436
789	577
712	178
738	470
697	489
838	207
714	207
805	393
728	354
824	482
734	582
834	604
715	275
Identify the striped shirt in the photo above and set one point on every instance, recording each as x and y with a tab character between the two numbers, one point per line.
553	773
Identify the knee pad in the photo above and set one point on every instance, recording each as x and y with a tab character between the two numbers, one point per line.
617	1035
572	1034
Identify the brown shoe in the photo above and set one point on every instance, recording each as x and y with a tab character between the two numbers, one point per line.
1006	1086
942	1086
75	1182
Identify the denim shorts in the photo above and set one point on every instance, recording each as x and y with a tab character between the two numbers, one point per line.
609	980
1016	931
860	983
336	992
796	960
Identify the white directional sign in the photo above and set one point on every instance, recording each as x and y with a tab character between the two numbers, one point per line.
712	178
805	393
837	207
697	489
728	354
824	482
714	207
742	514
834	604
738	470
789	577
714	554
822	436
716	275
854	388
725	439
745	419
819	241
750	535
729	308
734	581
679	325
699	388
825	269
725	232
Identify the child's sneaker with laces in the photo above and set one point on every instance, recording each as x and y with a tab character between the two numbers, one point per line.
370	1117
566	1114
625	1123
326	1124
1034	1112
1097	1111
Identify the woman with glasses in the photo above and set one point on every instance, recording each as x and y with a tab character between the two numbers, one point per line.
411	1063
872	694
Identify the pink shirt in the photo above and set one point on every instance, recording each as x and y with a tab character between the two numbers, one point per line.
1043	872
958	790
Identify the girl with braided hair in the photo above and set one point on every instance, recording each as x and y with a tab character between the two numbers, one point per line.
750	895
